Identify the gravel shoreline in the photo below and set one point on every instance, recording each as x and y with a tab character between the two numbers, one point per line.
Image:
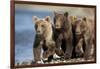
56	61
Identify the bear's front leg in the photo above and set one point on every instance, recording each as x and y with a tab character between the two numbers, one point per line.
69	49
88	46
59	50
37	54
79	52
37	49
50	50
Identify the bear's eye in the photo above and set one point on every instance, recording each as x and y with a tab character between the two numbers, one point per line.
43	26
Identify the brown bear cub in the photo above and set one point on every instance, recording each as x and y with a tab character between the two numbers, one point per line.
83	36
43	39
86	30
63	35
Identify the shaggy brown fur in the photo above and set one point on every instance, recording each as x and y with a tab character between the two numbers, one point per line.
63	35
43	38
83	29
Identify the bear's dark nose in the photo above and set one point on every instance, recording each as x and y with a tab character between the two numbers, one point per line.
38	31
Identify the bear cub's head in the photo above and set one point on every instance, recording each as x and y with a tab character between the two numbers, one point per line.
41	25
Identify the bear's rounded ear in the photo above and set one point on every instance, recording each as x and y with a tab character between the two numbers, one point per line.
35	18
47	18
85	19
66	14
73	18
